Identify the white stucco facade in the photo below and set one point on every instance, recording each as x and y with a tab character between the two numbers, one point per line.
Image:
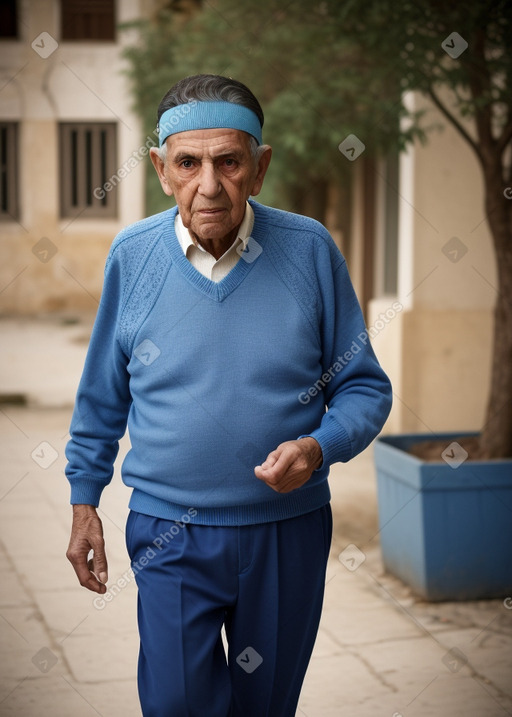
437	350
79	82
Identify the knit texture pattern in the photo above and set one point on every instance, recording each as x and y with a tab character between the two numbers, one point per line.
210	377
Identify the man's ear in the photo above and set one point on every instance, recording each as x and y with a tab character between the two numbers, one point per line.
263	162
159	166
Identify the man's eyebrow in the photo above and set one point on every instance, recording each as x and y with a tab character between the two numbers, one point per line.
181	156
236	153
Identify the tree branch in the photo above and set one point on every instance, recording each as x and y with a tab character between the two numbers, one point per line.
505	138
480	85
455	122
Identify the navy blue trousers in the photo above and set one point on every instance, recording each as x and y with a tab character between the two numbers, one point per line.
264	583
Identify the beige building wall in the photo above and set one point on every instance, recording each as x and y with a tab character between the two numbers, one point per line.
79	81
437	349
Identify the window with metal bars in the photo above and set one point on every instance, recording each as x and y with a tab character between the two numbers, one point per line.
88	20
8	19
8	171
88	186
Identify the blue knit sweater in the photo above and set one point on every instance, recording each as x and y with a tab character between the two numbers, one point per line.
211	377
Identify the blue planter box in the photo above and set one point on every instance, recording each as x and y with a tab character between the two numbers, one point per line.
446	531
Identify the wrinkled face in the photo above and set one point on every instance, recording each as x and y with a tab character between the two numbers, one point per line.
211	174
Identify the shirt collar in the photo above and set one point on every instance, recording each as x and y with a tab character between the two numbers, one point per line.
244	232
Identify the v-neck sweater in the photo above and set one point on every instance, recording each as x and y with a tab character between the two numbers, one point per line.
205	263
211	376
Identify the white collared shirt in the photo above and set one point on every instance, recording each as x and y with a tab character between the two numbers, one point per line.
203	261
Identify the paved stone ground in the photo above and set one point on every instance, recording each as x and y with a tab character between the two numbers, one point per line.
380	650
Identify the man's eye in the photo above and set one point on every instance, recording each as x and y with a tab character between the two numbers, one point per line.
229	162
187	163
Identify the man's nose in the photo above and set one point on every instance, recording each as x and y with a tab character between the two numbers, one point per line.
209	184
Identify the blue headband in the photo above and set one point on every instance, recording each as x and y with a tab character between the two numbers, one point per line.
208	115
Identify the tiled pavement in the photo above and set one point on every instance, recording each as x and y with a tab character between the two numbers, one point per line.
380	651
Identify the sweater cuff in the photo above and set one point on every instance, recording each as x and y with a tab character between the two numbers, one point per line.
334	442
86	491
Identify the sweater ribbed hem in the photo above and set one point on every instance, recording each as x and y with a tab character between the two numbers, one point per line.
289	505
86	491
334	442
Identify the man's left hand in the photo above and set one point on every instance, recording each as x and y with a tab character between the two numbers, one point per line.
290	465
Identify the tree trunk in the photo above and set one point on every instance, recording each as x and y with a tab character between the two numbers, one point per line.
295	196
316	200
496	437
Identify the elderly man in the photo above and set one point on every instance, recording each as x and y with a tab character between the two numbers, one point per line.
225	330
